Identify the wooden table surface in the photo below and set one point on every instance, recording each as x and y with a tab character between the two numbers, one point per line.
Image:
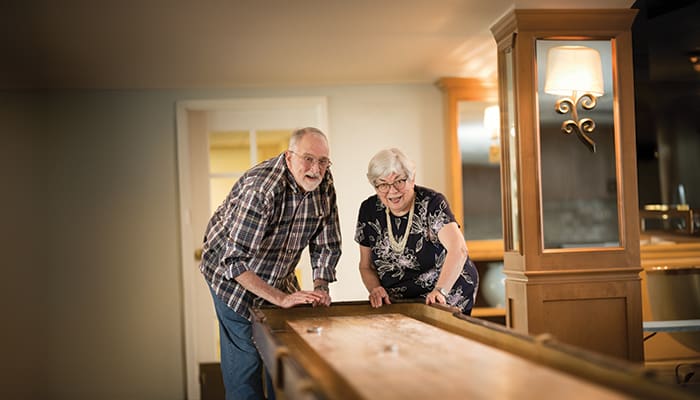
393	356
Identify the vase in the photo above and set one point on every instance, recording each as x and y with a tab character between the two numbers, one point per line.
493	285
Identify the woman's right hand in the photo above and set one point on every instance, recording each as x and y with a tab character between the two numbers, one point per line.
378	296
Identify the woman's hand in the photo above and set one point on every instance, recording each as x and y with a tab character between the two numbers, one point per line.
377	293
378	296
435	297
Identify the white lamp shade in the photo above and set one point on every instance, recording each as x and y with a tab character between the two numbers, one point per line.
573	69
492	118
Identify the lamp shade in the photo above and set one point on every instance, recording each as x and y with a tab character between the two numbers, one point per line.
492	118
573	69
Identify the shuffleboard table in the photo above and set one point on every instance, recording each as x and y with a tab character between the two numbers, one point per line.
414	351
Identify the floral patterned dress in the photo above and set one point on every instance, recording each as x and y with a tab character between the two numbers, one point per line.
412	273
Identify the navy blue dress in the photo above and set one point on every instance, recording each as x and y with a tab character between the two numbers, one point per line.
412	274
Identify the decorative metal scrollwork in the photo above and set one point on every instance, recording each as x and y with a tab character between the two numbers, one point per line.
581	127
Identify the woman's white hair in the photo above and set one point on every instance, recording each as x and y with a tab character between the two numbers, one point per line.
387	162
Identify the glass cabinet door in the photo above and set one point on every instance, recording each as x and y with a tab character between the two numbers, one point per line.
509	141
577	161
479	146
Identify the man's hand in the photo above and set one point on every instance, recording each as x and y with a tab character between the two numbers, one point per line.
325	299
321	287
302	297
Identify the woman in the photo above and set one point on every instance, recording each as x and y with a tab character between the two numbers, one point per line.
410	244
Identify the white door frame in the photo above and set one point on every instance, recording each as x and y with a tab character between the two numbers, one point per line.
287	108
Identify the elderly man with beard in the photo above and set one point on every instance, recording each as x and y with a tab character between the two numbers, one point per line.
253	243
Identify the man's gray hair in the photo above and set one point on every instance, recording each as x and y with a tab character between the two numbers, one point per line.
299	133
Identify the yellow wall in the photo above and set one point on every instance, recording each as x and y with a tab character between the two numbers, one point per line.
230	156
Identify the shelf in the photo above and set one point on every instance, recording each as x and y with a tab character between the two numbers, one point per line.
485	250
488	312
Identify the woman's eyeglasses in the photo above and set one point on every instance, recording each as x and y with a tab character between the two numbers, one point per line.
309	161
398	184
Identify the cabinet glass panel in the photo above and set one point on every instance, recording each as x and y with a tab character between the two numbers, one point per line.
477	131
510	142
578	164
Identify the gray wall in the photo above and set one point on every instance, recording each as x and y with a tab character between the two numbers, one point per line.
24	210
114	318
94	294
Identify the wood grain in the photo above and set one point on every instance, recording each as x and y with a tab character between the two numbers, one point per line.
392	356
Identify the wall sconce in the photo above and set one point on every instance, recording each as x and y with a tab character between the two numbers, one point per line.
575	72
694	58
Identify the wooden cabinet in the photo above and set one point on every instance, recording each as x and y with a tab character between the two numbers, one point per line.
465	102
571	223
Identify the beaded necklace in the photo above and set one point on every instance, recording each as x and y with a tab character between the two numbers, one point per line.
395	245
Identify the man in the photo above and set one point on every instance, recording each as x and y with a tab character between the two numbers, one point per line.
254	241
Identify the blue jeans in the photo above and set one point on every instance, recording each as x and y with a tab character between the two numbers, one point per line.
241	365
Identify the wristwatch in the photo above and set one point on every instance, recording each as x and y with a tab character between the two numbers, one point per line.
443	292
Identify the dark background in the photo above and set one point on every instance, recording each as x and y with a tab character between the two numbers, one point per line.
667	93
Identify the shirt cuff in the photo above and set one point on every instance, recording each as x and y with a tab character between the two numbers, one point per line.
325	273
235	269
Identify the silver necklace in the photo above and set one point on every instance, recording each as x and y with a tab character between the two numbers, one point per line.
396	246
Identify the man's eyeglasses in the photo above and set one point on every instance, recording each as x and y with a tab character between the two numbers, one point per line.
398	184
309	161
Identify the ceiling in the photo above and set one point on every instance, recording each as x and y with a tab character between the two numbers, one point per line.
134	44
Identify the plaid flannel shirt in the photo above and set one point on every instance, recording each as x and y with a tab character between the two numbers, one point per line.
263	226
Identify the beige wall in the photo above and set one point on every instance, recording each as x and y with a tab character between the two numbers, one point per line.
106	253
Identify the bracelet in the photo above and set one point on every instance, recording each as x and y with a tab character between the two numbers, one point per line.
321	287
443	292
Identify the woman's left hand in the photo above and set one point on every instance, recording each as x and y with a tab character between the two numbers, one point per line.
435	297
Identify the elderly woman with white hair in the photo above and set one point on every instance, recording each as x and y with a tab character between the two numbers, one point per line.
411	246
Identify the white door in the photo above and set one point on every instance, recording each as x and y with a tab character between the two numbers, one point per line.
198	122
